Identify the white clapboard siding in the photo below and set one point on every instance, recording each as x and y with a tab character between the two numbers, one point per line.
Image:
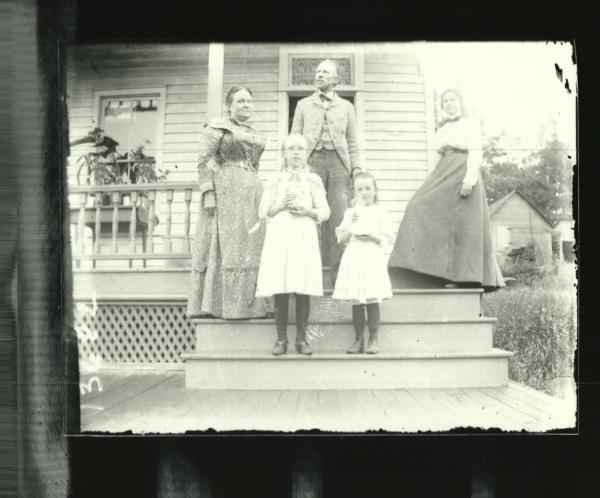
186	98
394	96
258	70
395	107
177	128
391	116
395	136
408	174
375	155
407	71
80	111
257	67
394	113
186	108
89	71
379	77
377	86
399	144
182	70
185	118
395	126
177	89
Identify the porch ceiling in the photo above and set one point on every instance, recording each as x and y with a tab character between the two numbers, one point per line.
127	55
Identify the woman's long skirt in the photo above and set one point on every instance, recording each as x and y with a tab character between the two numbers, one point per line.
227	248
445	236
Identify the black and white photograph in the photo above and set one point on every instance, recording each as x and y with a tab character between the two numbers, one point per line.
347	237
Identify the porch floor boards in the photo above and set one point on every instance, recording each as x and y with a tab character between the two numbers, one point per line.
156	401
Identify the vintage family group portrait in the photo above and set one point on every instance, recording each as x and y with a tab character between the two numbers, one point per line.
343	237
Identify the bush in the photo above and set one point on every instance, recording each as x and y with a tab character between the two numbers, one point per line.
523	267
525	272
537	323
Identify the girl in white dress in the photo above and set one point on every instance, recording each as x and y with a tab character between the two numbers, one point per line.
363	278
294	202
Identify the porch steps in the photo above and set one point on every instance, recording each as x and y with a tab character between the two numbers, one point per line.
401	336
405	304
255	371
429	338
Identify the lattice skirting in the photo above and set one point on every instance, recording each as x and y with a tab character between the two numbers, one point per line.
133	333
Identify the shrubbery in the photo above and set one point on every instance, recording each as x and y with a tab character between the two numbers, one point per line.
526	272
536	321
524	268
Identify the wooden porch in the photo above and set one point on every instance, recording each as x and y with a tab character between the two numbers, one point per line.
157	401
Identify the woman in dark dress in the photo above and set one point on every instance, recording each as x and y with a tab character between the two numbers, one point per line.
229	237
444	238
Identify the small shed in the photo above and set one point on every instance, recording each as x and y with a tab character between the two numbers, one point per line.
518	223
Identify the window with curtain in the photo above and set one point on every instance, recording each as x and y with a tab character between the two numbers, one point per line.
131	120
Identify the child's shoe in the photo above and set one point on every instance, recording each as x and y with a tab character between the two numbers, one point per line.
279	348
373	347
303	347
358	346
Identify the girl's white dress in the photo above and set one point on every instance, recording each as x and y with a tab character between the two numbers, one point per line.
363	276
291	259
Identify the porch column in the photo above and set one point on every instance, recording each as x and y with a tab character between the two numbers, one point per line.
214	87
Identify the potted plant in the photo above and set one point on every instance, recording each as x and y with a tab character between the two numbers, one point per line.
104	165
137	167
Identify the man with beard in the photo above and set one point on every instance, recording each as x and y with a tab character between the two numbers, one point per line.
328	123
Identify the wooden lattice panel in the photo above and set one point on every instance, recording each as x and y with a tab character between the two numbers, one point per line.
133	333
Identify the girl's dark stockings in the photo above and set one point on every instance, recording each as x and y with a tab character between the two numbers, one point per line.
282	311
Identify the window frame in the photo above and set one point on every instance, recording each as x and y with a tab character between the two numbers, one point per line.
158	93
503	231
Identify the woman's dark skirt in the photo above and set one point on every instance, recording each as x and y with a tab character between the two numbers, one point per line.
445	238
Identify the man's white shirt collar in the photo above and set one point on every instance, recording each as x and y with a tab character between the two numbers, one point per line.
329	95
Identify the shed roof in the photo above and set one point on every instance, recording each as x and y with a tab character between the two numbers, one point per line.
496	205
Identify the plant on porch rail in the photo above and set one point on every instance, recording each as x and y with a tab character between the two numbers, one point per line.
104	165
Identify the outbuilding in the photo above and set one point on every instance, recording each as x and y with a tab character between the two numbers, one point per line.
518	223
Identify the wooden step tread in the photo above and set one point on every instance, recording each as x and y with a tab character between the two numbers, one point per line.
338	370
182	297
292	355
328	292
428	321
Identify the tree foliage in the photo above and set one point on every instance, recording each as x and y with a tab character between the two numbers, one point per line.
544	176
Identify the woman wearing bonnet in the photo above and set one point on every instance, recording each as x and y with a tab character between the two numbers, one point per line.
445	238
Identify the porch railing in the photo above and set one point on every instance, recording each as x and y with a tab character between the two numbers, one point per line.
101	205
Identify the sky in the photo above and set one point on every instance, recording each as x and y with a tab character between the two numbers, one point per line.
513	87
